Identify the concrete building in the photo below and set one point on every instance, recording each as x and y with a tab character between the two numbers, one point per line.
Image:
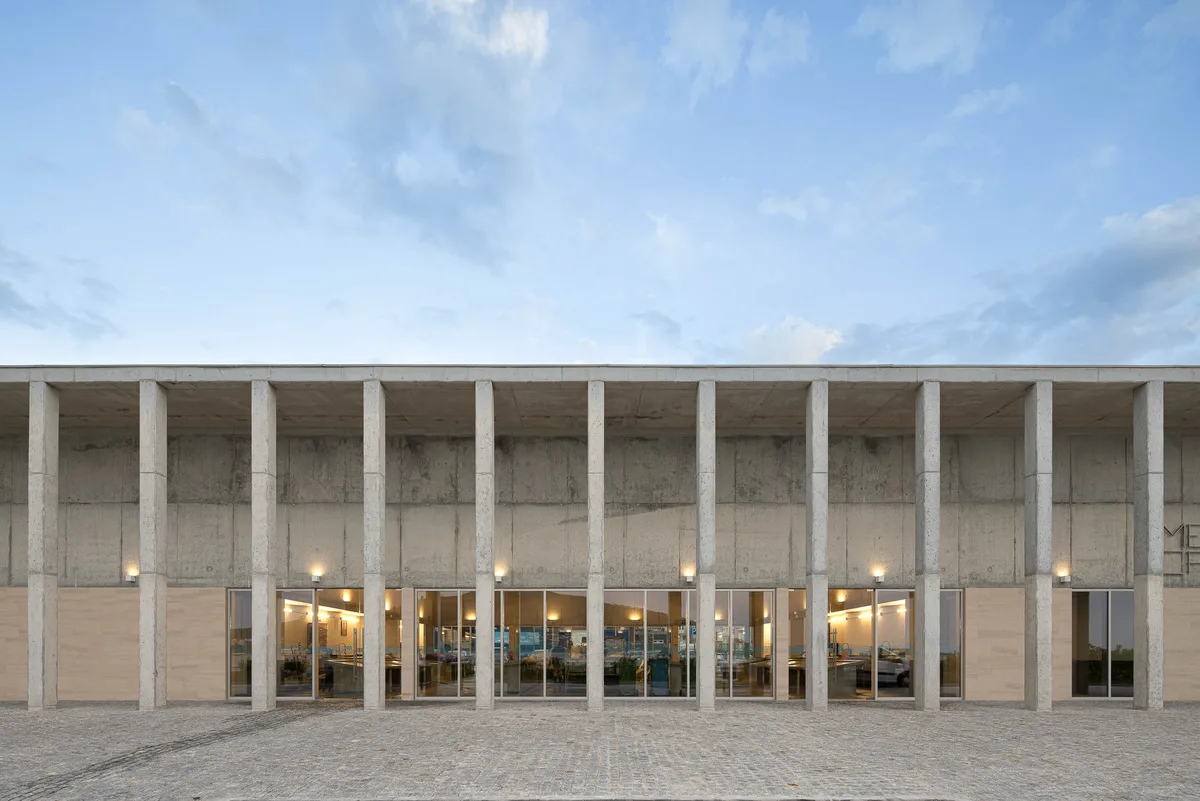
924	533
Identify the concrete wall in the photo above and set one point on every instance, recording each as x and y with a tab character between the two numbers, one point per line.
97	644
541	514
994	644
14	644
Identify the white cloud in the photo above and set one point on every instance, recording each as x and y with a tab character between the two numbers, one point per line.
989	100
1062	24
521	32
811	202
136	131
1178	20
780	42
793	341
1177	219
921	34
704	42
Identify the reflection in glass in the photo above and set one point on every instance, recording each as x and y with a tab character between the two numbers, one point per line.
721	624
690	605
851	640
524	667
951	650
294	668
466	627
566	643
895	621
393	637
666	643
1120	613
339	643
437	643
239	643
1089	643
797	617
624	643
750	642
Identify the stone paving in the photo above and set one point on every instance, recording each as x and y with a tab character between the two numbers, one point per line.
632	750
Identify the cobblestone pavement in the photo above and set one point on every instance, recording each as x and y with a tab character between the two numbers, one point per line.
631	750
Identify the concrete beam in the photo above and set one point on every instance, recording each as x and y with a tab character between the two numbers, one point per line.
1148	546
706	542
1039	484
374	537
927	680
263	467
152	530
816	514
595	530
485	534
43	546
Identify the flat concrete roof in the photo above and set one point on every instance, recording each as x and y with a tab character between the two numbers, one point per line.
553	400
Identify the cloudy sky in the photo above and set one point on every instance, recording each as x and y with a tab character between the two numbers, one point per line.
530	181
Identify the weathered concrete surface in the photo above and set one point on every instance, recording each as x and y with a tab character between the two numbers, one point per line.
374	467
486	565
706	542
927	665
263	543
152	540
1148	546
816	583
595	559
43	546
1039	602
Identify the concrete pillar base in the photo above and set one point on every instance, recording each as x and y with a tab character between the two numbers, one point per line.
374	645
595	647
1147	642
408	644
485	656
263	649
1039	662
927	667
816	623
706	641
152	645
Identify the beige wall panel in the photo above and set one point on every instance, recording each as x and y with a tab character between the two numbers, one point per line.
14	644
1061	634
97	644
994	648
1181	643
195	644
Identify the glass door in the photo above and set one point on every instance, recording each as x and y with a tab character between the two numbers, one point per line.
293	663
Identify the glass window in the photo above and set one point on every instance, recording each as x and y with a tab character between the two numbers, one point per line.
797	634
437	643
894	628
339	651
750	642
1089	643
239	643
294	667
566	643
721	624
666	643
1102	643
624	643
466	627
691	605
851	643
523	671
951	647
393	639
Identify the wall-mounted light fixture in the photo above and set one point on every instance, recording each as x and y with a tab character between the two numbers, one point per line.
499	576
689	577
1064	576
316	577
880	575
131	575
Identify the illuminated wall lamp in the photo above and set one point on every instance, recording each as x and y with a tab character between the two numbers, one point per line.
316	578
499	577
1064	577
880	576
131	576
688	578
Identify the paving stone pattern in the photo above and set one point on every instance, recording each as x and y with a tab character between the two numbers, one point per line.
631	750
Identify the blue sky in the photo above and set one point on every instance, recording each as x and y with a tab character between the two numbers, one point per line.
211	181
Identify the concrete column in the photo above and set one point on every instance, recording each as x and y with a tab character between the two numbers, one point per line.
263	650
1148	546
816	513
374	524
706	543
152	528
781	630
1039	485
408	645
43	546
927	685
595	587
485	532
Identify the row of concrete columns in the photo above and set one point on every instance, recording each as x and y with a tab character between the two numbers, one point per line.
44	544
